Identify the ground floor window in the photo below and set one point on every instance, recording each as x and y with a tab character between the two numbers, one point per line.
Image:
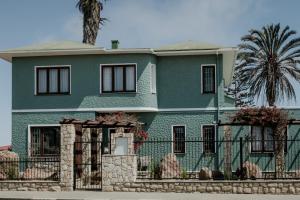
179	139
208	136
45	141
262	139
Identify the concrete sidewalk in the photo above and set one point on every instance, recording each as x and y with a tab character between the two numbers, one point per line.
137	196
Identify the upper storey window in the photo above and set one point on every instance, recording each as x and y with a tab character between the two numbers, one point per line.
53	80
118	78
208	78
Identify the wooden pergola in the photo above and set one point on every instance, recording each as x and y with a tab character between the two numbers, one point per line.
107	120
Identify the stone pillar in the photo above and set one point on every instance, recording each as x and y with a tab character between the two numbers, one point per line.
86	154
67	140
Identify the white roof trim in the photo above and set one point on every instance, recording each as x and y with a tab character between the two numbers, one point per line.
125	109
8	55
194	52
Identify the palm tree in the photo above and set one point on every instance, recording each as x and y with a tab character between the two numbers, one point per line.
268	61
91	10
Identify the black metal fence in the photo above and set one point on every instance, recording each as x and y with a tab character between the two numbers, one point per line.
87	165
30	168
194	158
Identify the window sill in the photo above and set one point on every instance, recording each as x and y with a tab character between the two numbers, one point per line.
207	93
260	153
179	153
104	93
209	154
54	94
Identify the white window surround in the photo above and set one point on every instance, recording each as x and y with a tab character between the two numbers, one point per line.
172	138
153	78
201	135
201	81
116	64
29	133
51	66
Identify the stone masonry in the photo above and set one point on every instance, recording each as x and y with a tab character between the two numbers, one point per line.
51	186
118	169
234	187
66	156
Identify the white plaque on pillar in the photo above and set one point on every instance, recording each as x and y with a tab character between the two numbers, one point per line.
121	146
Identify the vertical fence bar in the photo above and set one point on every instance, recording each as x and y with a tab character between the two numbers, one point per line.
241	153
74	166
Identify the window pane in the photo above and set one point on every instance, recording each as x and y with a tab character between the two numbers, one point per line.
118	78
53	80
208	139
130	79
268	139
256	138
64	80
42	80
179	139
51	141
208	79
107	79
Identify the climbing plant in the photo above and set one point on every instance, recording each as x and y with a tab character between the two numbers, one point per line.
272	117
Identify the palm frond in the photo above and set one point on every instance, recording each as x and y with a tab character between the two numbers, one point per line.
267	62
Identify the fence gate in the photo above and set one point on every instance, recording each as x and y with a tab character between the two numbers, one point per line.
87	165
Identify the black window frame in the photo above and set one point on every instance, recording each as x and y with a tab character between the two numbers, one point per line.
113	78
48	80
209	144
263	150
181	143
203	79
41	142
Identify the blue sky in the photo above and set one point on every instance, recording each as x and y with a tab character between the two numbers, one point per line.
135	23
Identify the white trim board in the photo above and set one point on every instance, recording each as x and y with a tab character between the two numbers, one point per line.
215	136
126	109
50	66
116	64
29	135
133	109
172	138
201	81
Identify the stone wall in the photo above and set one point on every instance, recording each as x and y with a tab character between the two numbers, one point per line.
118	169
235	187
30	186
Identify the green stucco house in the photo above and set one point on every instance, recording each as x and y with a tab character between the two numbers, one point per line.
177	91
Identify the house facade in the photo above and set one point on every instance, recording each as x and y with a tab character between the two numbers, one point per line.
177	91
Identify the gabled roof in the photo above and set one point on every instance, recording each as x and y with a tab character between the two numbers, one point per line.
189	45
